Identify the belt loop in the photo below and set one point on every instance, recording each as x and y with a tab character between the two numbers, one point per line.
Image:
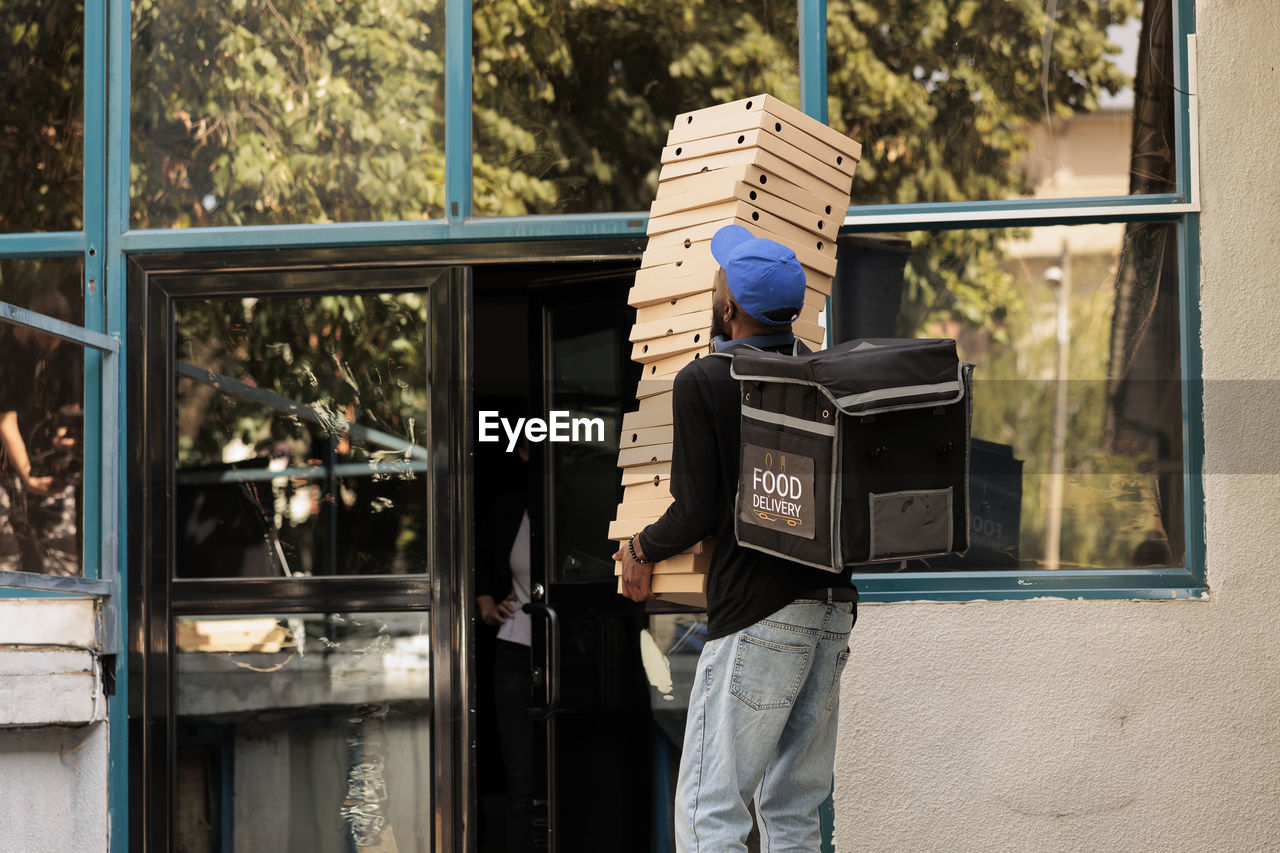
830	600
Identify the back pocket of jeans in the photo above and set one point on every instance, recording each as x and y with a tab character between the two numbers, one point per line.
915	522
766	673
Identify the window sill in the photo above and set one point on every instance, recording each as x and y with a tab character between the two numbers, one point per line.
1140	584
62	622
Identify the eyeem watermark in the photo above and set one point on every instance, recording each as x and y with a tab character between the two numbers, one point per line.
559	427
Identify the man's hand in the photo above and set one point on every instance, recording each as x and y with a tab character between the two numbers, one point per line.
492	614
635	576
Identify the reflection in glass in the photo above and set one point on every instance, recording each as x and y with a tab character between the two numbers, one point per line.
1077	455
303	444
591	378
41	437
260	112
1003	100
305	734
27	283
41	116
573	102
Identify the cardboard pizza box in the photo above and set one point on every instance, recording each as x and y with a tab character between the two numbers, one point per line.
813	262
655	292
629	457
656	348
680	564
678	582
808	331
812	221
810	125
818	281
664	581
646	419
669	249
695	560
648	491
695	240
653	267
667	368
692	222
696	600
706	546
749	120
774	227
647	436
622	529
644	509
769	163
669	326
688	203
659	401
700	190
659	387
646	474
664	223
733	142
674	307
814	298
709	187
810	315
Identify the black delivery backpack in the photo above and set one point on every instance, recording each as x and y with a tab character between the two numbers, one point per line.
857	455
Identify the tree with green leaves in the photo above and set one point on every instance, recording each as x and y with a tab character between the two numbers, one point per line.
270	111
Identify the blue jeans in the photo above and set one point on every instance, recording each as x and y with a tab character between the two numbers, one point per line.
762	723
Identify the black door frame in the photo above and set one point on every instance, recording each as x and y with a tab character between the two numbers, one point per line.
154	282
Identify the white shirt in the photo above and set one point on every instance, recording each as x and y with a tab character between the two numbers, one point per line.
518	627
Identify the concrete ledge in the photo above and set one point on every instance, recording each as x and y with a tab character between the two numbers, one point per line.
71	622
50	687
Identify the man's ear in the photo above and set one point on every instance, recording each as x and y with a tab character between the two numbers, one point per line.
729	313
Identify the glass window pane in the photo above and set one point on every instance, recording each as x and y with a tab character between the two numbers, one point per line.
41	425
573	102
41	115
1077	455
303	445
49	286
966	104
593	380
306	734
254	112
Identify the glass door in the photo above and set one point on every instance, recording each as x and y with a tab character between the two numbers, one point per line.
301	549
598	731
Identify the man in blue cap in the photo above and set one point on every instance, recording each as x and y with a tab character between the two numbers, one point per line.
764	707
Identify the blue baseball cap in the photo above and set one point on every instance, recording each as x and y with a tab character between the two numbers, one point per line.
762	275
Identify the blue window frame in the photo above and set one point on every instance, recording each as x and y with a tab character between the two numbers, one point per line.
106	241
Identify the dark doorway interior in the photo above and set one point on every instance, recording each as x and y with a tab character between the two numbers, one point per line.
554	337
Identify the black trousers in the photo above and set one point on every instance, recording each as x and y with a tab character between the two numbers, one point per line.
512	686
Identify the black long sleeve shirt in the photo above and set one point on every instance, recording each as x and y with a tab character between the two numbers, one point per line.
743	585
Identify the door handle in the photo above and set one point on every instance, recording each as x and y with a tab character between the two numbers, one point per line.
553	648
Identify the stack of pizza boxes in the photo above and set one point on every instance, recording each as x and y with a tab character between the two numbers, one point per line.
756	162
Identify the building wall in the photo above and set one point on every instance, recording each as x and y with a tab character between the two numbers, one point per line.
1112	725
55	781
53	734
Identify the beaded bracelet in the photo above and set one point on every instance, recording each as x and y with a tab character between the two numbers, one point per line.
631	546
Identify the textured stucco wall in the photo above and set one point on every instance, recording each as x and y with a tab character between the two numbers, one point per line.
53	734
1117	726
55	789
